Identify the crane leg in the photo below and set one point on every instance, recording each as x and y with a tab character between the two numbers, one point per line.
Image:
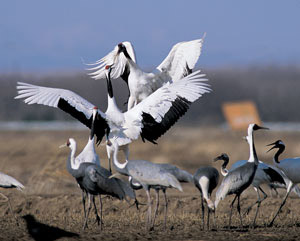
290	187
166	207
149	210
239	211
208	214
6	199
83	202
101	213
156	207
259	201
96	213
231	207
202	209
88	212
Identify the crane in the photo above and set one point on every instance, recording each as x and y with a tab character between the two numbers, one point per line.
265	174
239	179
290	167
206	180
181	175
179	63
7	181
150	119
93	178
146	173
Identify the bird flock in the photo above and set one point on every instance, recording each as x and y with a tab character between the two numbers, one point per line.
156	102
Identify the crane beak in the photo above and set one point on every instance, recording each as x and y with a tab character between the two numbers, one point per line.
63	145
257	127
217	158
273	146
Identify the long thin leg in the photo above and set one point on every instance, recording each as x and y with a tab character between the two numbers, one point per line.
166	207
202	209
83	202
259	201
6	199
101	216
231	206
96	213
239	211
208	212
156	207
88	212
290	187
149	209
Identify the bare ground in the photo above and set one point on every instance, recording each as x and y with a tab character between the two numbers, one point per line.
53	198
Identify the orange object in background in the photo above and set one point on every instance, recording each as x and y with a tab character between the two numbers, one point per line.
240	114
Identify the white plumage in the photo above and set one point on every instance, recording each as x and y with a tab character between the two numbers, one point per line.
150	118
179	63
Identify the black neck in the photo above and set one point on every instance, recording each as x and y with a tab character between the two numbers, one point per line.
278	153
109	86
225	163
93	127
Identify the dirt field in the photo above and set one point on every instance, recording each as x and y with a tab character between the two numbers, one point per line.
53	198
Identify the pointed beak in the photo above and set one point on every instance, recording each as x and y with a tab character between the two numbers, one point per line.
217	158
273	147
63	145
261	127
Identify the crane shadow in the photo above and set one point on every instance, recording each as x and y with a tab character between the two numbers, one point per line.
40	231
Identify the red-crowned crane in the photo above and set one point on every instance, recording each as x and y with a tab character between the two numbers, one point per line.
178	64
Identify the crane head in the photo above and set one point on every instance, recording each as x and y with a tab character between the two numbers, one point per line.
276	144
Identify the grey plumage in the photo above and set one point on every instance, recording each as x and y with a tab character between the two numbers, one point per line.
240	178
148	174
206	180
7	181
181	175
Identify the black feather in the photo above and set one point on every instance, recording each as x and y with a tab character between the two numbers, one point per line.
101	126
152	130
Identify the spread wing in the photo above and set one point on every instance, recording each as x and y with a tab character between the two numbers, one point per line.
152	117
182	59
65	100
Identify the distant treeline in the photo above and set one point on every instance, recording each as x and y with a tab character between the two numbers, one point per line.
275	90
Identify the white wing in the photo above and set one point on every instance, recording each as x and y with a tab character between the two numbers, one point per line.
182	59
65	100
158	112
118	60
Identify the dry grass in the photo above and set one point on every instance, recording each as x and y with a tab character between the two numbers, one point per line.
53	197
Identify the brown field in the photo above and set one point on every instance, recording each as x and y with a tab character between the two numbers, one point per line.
53	198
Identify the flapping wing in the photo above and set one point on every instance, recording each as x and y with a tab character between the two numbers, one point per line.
65	100
118	60
152	117
182	59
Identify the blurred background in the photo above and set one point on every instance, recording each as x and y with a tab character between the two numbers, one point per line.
251	51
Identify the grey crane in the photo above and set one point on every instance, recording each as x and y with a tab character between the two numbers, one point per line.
265	174
240	178
206	180
290	167
7	181
181	175
148	174
94	179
